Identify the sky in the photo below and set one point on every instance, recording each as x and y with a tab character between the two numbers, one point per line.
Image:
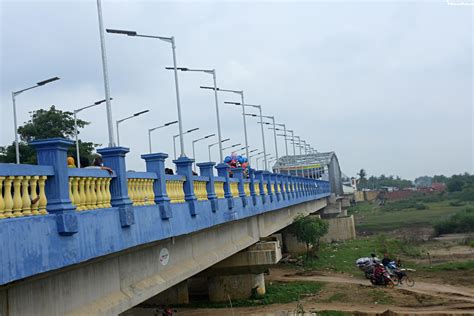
386	85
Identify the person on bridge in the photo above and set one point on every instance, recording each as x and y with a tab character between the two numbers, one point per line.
99	164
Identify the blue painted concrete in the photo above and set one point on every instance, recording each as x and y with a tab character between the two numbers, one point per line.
37	244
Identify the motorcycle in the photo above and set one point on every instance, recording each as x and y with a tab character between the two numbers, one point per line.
380	276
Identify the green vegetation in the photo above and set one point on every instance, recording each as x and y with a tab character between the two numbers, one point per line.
276	293
461	222
46	124
381	297
337	297
401	214
452	266
375	183
310	229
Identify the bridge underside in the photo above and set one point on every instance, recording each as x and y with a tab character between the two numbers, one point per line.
115	283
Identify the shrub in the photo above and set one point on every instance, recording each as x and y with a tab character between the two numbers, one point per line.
420	206
457	203
461	222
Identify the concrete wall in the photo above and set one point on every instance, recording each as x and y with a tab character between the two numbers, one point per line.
340	228
111	285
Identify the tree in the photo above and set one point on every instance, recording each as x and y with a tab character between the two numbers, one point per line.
46	124
310	229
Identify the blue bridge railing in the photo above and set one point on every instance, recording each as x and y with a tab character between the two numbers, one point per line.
52	216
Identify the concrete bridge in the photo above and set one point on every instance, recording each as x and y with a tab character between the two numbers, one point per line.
96	243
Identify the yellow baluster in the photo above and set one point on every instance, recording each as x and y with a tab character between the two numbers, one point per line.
247	188
8	196
81	205
93	193
34	195
43	201
99	192
25	197
88	194
75	193
107	191
257	188
17	202
152	192
2	203
130	190
71	196
140	196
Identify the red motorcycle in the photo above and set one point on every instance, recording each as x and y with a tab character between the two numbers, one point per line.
380	276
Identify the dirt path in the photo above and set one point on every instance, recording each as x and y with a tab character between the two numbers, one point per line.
458	293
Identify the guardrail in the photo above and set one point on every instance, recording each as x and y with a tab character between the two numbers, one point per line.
152	205
24	191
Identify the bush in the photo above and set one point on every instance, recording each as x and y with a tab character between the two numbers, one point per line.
420	206
461	222
465	195
457	203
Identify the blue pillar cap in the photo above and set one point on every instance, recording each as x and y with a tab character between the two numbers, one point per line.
57	142
155	156
113	151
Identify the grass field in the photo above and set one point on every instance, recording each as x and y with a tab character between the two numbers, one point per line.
373	219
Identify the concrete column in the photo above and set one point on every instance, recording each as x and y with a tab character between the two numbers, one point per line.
184	167
177	294
114	158
53	152
223	171
238	174
156	163
206	169
240	286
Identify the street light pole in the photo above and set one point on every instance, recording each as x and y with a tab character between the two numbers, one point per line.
75	128
259	107
180	135
105	72
241	92
14	94
210	145
170	40
194	142
127	118
213	73
155	128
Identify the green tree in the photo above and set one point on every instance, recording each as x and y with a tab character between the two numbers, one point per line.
46	124
310	229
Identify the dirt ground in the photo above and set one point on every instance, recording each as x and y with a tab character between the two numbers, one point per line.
355	295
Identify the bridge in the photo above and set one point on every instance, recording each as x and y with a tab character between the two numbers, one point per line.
86	242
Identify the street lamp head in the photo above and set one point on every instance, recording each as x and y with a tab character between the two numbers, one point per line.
209	135
42	83
169	123
192	130
234	103
123	32
141	112
177	68
101	101
211	88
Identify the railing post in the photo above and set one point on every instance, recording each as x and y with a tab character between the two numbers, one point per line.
184	167
259	176
114	158
298	186
223	171
276	188
266	176
156	163
282	181
253	194
206	171
238	174
53	152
